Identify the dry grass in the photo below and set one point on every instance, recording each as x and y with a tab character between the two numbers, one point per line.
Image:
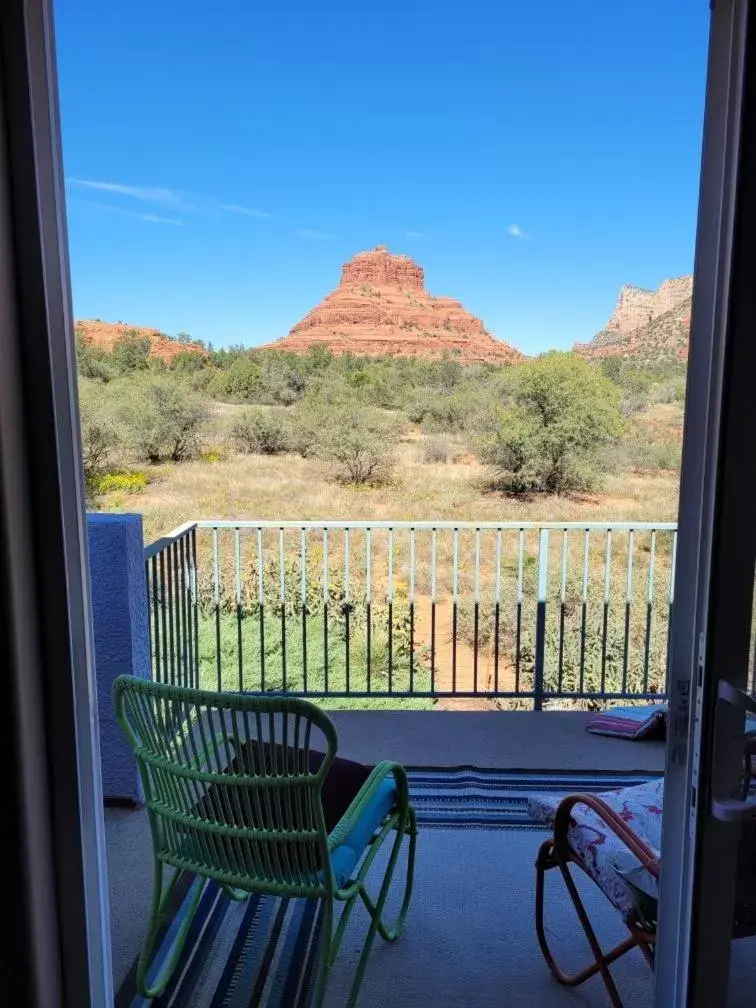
287	487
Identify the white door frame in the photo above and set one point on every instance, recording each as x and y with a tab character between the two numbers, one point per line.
56	936
710	630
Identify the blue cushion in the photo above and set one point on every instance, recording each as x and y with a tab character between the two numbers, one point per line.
345	857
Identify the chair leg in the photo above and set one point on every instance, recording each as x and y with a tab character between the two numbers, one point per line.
404	823
547	860
376	909
325	954
160	899
391	933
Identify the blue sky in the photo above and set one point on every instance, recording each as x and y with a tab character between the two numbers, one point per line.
222	161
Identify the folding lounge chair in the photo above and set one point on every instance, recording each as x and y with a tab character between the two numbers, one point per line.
615	839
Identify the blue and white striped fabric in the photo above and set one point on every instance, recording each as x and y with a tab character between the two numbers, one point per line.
497	799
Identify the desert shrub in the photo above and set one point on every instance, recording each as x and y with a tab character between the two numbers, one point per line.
642	451
462	410
164	421
633	402
131	353
242	381
92	362
359	445
435	451
99	433
261	431
415	408
125	482
188	361
308	423
562	411
670	391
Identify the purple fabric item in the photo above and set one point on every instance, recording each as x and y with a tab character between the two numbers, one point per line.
636	723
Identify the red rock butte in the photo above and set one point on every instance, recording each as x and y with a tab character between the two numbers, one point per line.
381	307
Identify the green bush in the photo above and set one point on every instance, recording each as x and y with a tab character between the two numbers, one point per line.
131	353
563	410
93	362
242	381
99	433
163	421
359	445
126	482
262	432
188	362
308	424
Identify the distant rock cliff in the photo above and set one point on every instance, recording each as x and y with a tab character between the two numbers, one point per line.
106	334
651	327
381	307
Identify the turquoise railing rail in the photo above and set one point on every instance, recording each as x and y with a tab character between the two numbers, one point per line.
398	611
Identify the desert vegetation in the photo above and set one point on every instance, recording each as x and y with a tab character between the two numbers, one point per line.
555	424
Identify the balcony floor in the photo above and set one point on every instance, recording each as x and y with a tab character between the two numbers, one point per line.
511	740
496	740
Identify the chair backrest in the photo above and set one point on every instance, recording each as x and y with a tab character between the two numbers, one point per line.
233	783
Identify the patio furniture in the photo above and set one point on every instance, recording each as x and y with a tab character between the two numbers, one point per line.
615	838
234	786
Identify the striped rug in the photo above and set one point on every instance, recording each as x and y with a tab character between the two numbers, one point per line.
498	799
261	953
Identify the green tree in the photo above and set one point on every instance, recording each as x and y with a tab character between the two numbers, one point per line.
99	433
261	431
241	381
131	353
562	410
359	444
188	362
92	362
164	421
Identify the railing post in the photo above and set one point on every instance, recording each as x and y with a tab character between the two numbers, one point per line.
540	641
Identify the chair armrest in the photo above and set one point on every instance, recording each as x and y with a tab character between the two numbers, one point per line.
364	796
563	819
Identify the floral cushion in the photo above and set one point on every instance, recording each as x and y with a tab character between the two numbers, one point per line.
600	851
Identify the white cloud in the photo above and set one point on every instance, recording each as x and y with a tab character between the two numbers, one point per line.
234	208
155	219
170	198
413	234
315	235
110	208
164	197
516	231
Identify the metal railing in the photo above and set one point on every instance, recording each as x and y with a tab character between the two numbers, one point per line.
414	611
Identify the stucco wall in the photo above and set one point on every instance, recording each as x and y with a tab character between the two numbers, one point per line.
121	636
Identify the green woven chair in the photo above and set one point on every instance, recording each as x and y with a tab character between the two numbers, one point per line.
231	796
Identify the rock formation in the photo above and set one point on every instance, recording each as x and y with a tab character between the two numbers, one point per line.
107	334
651	327
381	307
